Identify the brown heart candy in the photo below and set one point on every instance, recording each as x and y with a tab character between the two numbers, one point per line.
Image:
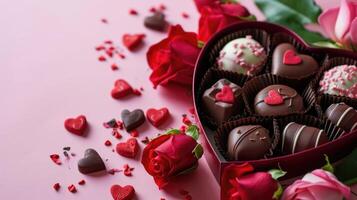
91	162
132	119
285	64
156	22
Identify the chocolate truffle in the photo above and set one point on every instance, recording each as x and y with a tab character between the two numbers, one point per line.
297	137
250	142
133	119
340	80
220	100
289	64
343	116
242	55
278	100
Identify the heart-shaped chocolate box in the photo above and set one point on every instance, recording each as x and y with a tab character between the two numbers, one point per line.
270	35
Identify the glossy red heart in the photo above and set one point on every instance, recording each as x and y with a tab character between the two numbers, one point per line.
290	58
157	117
76	125
132	41
128	149
122	193
121	89
226	95
273	98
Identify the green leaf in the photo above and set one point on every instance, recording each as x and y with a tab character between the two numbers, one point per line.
278	192
249	18
328	44
346	169
277	173
302	11
200	44
192	131
328	166
229	1
198	151
173	132
294	15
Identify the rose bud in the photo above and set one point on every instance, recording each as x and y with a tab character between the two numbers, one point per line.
172	154
240	182
319	184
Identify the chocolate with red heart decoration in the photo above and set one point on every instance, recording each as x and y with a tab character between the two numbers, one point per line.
122	193
91	162
132	119
121	89
76	125
132	41
226	95
278	100
129	148
157	117
220	100
289	64
156	22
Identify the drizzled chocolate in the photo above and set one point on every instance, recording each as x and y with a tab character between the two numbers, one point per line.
278	100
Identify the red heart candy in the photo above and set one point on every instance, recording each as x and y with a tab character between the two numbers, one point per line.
76	125
225	95
122	193
129	148
290	58
157	117
273	98
121	89
132	41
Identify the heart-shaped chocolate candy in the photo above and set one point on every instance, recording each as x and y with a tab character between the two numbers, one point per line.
132	119
122	193
289	64
156	22
76	125
129	148
157	117
91	162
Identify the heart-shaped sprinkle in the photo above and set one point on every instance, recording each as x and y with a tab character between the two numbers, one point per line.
132	119
156	22
91	162
291	58
226	95
273	98
157	117
121	89
129	148
122	193
132	41
76	125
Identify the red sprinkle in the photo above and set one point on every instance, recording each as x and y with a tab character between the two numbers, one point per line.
185	120
72	188
113	171
107	143
185	15
82	182
114	67
109	53
122	56
152	9
56	186
183	128
116	134
102	58
136	92
120	125
133	12
105	21
108	42
56	159
99	48
162	7
134	133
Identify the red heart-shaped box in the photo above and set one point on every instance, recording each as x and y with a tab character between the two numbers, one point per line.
295	164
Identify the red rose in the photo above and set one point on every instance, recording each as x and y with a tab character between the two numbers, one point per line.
201	3
215	18
169	155
173	59
239	182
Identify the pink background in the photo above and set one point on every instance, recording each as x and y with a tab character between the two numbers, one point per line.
50	72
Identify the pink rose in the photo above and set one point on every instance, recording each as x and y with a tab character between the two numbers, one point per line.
340	24
317	185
